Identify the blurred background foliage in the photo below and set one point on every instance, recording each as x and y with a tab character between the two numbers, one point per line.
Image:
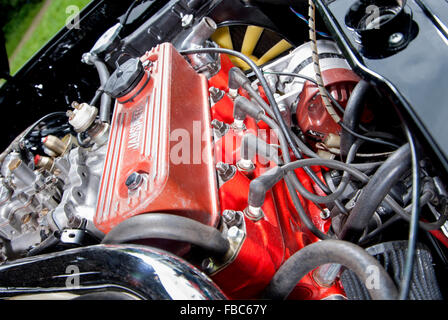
29	24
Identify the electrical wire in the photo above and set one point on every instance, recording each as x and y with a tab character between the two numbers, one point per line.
339	107
278	116
291	179
302	17
424	199
413	228
34	125
368	139
341	187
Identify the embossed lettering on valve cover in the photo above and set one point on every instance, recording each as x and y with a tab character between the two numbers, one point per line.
138	175
136	128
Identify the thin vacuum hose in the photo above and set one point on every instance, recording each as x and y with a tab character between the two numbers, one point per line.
106	100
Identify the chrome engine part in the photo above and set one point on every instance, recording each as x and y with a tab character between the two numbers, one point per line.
299	61
80	189
37	202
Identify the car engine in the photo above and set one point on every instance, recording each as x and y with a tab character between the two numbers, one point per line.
231	175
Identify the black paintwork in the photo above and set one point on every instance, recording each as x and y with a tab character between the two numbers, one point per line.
415	77
55	76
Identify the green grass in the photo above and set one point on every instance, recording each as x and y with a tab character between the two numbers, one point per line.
19	24
53	20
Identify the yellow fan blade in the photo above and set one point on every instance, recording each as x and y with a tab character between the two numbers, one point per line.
276	50
251	38
240	63
222	38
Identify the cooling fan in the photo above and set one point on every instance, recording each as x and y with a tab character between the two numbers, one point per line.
260	44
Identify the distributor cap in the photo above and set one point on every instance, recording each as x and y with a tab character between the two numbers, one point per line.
125	78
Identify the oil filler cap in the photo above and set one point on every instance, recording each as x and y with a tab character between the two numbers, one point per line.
125	78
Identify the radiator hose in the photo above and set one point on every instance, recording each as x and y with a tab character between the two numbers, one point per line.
168	227
356	259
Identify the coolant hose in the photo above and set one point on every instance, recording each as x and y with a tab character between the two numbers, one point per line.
374	193
332	251
168	227
352	115
106	100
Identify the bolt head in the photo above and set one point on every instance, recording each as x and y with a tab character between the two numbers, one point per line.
187	20
325	214
228	216
254	213
396	39
216	124
207	265
216	94
381	210
134	181
334	174
245	165
233	233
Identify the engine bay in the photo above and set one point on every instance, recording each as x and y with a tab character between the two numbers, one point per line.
241	163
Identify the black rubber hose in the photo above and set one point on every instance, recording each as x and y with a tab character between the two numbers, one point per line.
362	177
169	227
106	100
374	193
340	108
323	252
424	199
352	115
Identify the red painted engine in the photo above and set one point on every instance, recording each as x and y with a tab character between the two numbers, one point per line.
148	169
271	240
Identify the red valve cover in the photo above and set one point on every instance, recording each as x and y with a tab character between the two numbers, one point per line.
173	103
